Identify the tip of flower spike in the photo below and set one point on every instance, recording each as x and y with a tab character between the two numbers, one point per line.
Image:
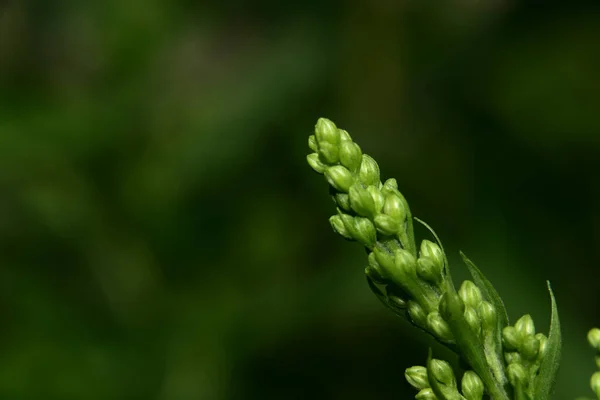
326	131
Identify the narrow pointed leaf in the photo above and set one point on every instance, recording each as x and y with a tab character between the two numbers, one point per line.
544	383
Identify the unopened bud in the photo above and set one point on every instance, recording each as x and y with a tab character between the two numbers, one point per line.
361	200
369	171
517	374
315	163
439	327
530	348
344	135
394	207
377	197
511	338
473	320
426	394
338	225
543	345
417	377
513	357
350	155
384	258
405	262
365	232
390	186
326	132
339	177
444	306
386	224
472	386
428	270
525	326
343	201
593	338
374	271
488	316
442	372
470	294
417	314
329	153
433	251
312	143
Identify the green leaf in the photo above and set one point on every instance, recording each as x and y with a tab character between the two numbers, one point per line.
544	382
488	291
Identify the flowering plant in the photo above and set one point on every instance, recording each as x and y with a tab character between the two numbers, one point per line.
503	361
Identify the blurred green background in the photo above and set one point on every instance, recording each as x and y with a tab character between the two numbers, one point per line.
162	237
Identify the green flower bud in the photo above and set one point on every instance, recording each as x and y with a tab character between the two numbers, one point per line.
431	250
350	155
428	270
390	186
369	171
344	136
338	225
384	258
326	132
312	143
426	394
511	338
377	198
394	207
473	319
472	386
443	306
488	316
339	177
525	326
516	374
439	327
417	314
386	224
530	348
513	357
405	262
417	377
543	344
343	201
315	163
361	200
374	271
593	338
470	294
329	153
365	232
442	372
598	362
595	383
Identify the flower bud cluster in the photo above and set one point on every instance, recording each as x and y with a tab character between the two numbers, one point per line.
367	208
593	337
376	215
419	377
479	314
523	352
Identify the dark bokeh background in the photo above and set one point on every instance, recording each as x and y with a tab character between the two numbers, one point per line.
161	236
